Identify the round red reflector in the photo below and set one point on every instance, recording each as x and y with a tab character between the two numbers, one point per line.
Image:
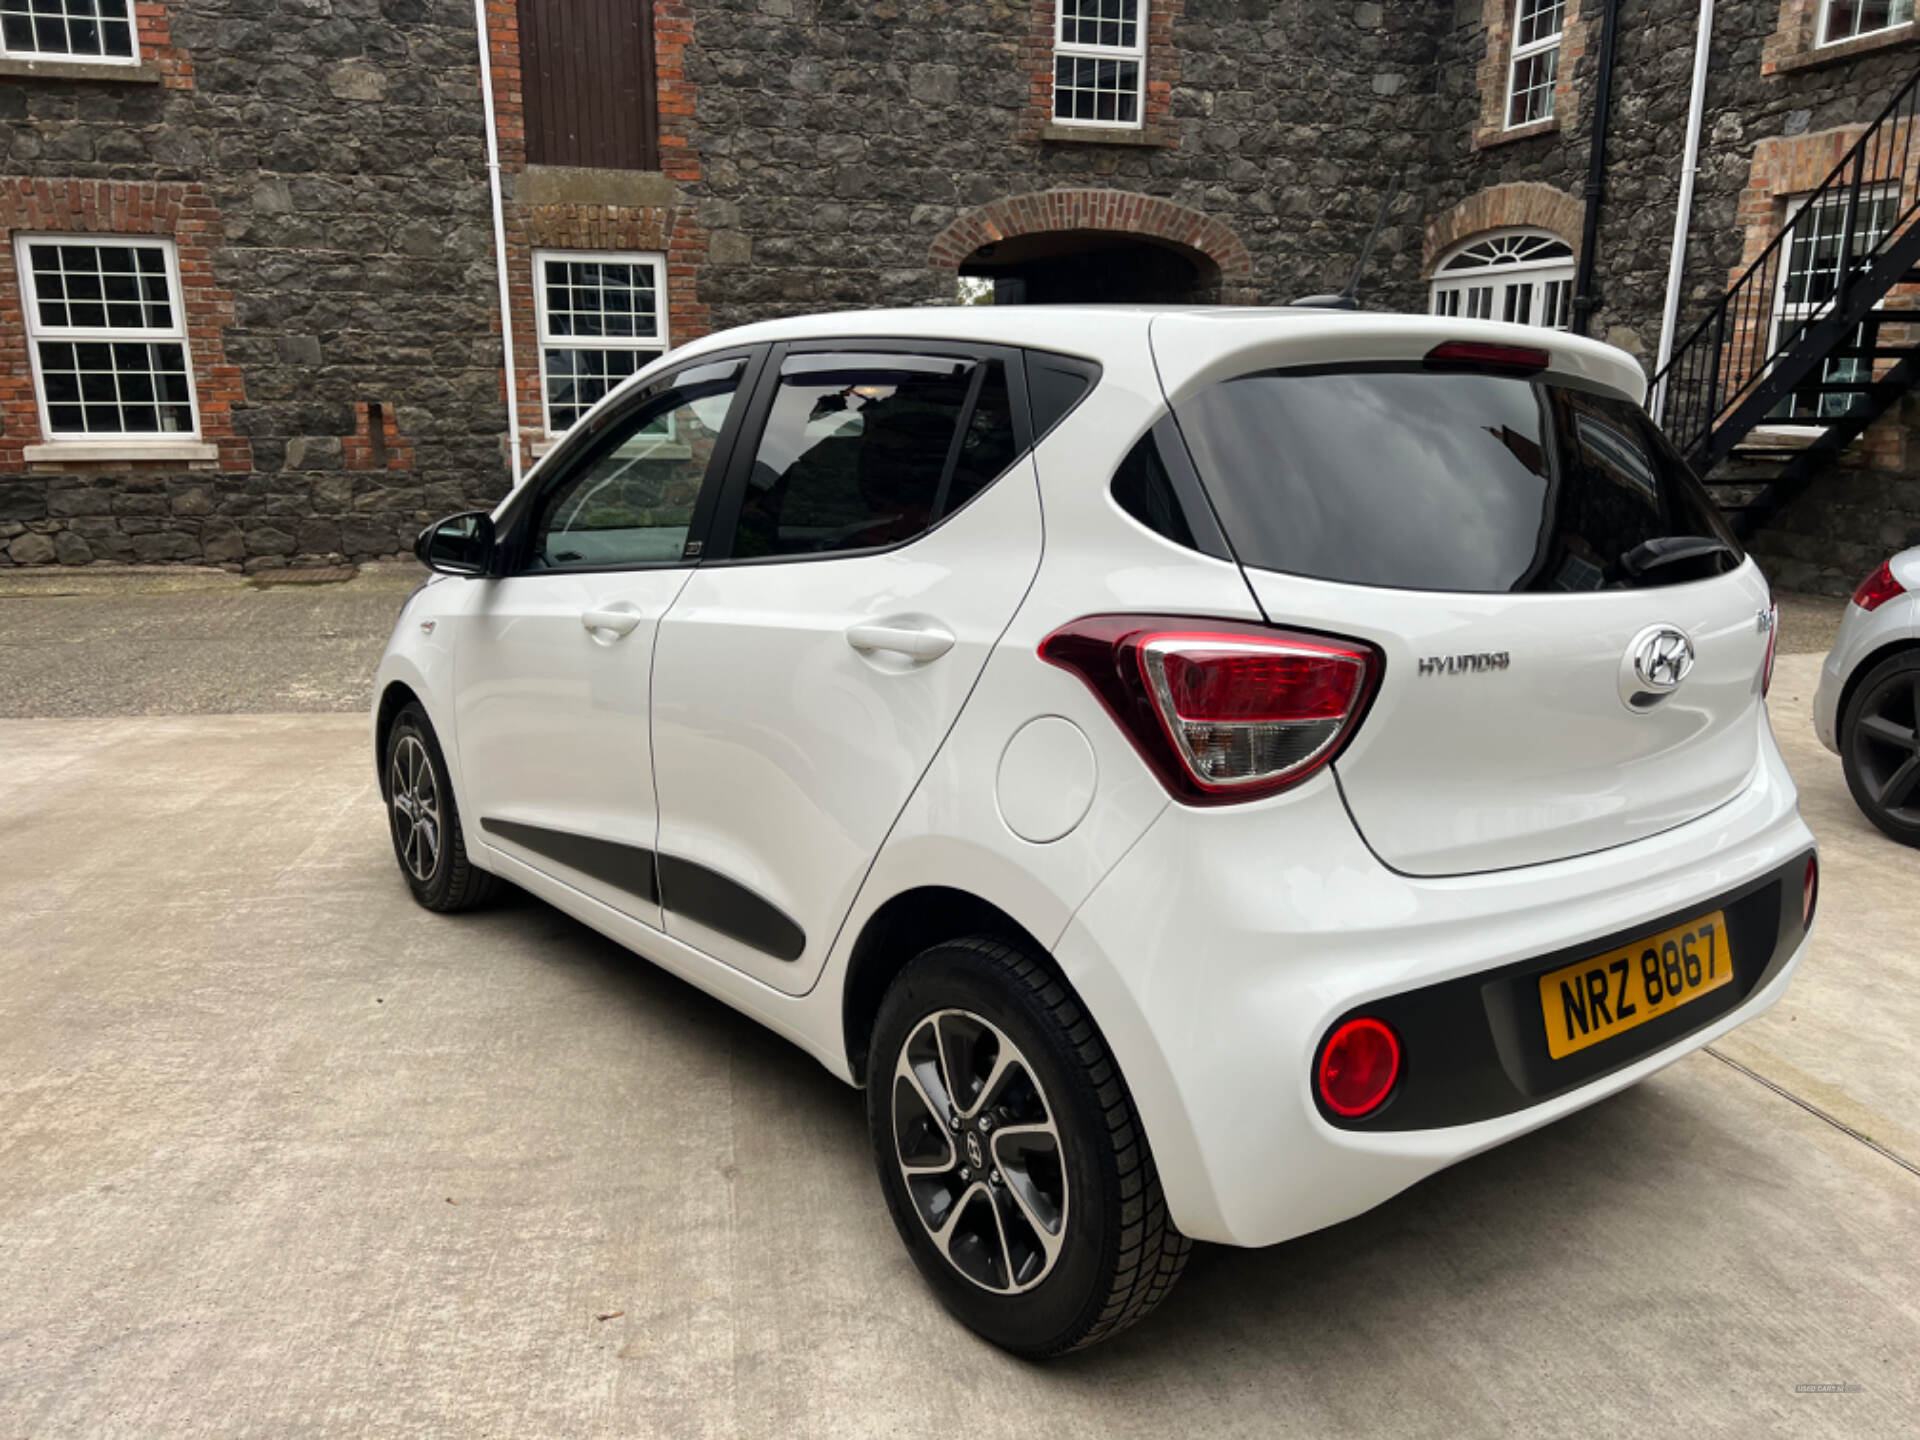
1358	1066
1809	892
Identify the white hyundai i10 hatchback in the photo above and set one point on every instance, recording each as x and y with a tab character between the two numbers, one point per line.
1200	770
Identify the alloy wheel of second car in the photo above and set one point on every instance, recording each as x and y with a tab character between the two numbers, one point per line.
1885	746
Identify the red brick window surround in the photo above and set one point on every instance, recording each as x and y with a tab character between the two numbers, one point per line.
124	40
652	231
1499	79
669	229
1785	170
93	211
1096	46
1820	32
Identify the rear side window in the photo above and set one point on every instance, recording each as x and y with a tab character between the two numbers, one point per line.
869	450
1142	488
1446	481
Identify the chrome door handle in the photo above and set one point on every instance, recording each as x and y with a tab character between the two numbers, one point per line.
928	644
620	622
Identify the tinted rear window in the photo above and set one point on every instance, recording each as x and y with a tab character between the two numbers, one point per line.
1435	481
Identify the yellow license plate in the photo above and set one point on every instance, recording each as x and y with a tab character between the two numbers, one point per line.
1602	997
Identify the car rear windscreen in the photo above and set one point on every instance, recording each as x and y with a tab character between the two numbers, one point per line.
1422	480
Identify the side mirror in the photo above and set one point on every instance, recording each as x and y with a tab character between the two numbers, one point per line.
458	545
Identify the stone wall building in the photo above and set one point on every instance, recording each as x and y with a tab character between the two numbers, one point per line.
250	295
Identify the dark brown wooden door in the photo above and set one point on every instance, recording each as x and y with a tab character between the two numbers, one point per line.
586	72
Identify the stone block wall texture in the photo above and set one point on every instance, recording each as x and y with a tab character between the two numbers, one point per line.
845	137
324	162
321	167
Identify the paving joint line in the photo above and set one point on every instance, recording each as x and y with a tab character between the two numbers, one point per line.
1816	1111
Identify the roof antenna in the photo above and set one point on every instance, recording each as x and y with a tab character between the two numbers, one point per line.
1349	298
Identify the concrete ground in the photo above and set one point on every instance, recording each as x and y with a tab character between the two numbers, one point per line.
283	1155
180	640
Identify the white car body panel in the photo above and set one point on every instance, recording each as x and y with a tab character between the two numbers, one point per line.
784	754
1863	635
552	716
1199	348
1212	946
1542	758
1218	952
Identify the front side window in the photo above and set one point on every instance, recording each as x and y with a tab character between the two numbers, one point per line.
867	450
1809	277
1846	19
1523	277
91	30
108	337
1535	63
1099	62
630	500
602	317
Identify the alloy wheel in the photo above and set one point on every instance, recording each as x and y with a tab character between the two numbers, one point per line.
415	804
1886	746
980	1151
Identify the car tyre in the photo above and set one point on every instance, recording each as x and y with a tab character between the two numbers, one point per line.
1880	746
424	821
981	1054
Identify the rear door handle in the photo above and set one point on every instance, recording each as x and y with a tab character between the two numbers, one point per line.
620	622
916	644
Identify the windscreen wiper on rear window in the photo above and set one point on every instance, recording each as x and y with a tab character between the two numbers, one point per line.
1665	550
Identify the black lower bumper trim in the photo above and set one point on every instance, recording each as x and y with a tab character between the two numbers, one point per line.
1476	1047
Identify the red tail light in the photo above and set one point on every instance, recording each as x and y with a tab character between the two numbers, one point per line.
1358	1067
1222	711
1773	649
1810	892
1878	588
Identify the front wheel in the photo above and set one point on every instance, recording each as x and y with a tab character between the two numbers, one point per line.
1880	746
424	822
1013	1161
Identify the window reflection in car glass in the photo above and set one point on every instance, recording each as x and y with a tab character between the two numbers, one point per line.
632	501
854	453
1428	480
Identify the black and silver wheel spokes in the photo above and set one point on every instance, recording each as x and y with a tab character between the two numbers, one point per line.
1887	747
416	808
979	1148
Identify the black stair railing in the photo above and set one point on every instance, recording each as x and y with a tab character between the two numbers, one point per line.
1737	364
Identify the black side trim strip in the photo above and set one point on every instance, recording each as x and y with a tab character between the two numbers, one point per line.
625	867
709	898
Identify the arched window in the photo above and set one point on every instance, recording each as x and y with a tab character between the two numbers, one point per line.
1524	276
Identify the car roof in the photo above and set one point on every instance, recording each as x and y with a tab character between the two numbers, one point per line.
1195	342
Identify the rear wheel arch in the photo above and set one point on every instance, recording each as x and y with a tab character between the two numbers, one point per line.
906	925
1866	665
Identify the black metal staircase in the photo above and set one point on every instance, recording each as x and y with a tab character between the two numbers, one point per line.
1807	336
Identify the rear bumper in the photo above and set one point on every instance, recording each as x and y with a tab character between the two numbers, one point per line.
1826	701
1226	944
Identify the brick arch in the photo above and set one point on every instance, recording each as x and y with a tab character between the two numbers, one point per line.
1114	211
1528	205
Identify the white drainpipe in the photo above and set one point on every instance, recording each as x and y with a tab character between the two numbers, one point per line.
1683	215
499	237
